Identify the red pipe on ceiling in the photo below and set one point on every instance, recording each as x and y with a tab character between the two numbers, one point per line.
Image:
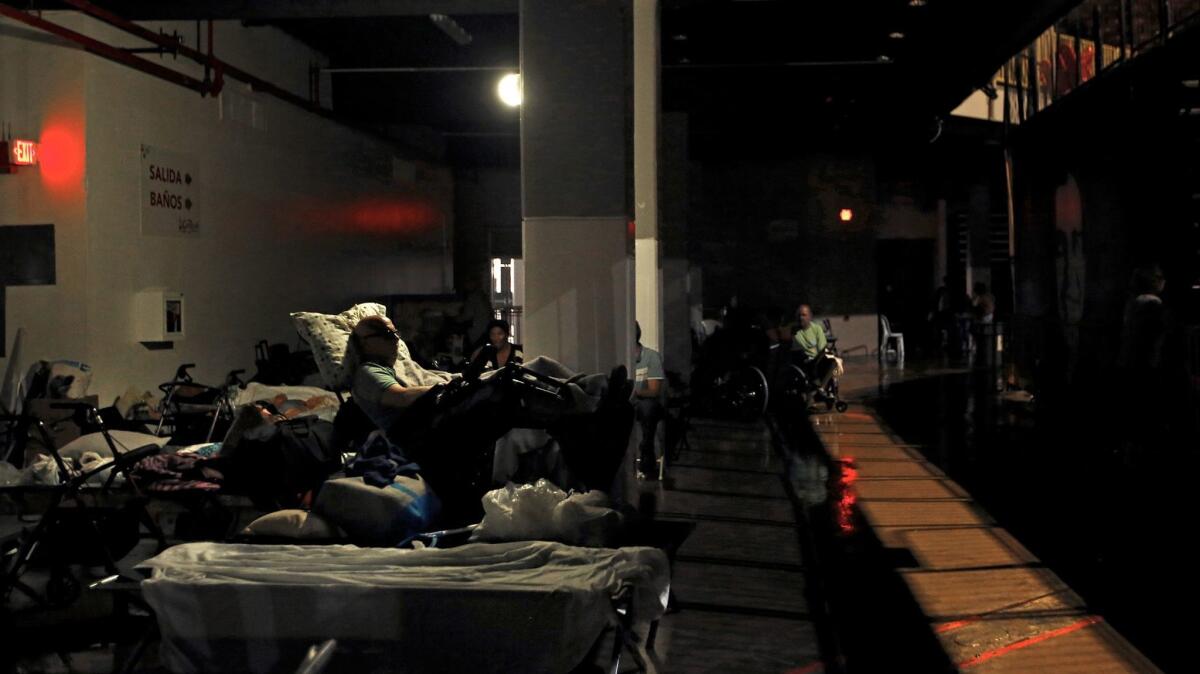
204	88
106	50
219	66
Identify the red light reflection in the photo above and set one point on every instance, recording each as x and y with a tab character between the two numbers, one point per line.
401	216
398	216
845	497
61	154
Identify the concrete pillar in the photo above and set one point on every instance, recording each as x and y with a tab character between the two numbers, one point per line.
575	182
647	249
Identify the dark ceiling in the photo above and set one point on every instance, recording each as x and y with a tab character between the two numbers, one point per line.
749	73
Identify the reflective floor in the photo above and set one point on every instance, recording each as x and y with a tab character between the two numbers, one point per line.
741	580
1096	485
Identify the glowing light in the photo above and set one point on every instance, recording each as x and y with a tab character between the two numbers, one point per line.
24	152
896	35
845	215
510	90
61	154
384	216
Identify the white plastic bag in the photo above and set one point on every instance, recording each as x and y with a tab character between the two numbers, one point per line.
9	474
519	512
90	461
42	470
586	520
542	511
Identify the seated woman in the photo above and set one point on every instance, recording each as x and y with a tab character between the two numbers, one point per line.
450	430
502	351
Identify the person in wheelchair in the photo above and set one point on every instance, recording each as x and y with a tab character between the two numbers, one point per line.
450	429
809	352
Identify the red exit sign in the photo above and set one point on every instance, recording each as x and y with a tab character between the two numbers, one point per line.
24	152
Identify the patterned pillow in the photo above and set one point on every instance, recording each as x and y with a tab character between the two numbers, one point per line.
328	337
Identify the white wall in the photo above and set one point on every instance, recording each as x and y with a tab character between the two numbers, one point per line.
855	332
41	97
298	213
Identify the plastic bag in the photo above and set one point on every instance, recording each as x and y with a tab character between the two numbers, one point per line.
542	511
519	512
89	461
9	474
586	520
43	470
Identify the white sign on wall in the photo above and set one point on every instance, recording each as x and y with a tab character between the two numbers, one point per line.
170	187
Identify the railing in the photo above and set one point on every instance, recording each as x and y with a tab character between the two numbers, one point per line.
1096	36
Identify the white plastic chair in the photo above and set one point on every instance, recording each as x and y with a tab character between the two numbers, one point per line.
891	347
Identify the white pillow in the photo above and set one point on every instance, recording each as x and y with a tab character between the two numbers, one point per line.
328	337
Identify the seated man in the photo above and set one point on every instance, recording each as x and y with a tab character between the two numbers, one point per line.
808	349
450	430
648	393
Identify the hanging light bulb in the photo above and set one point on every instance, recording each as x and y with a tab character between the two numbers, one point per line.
509	90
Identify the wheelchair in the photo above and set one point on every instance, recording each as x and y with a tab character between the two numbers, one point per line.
84	522
794	385
730	380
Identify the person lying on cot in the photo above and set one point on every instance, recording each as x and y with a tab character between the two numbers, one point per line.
450	429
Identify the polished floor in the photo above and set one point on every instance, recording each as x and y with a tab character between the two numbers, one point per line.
1095	481
741	580
857	544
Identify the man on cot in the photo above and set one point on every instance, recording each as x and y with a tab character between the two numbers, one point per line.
450	429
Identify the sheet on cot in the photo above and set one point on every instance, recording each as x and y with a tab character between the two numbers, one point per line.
502	607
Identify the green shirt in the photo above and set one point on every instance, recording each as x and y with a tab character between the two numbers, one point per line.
811	340
649	366
370	381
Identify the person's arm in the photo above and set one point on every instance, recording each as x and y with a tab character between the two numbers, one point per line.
654	376
399	397
652	390
821	342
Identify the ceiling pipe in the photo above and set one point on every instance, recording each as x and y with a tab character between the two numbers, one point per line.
106	51
220	68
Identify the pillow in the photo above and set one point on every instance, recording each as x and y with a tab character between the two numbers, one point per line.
328	337
378	515
296	524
